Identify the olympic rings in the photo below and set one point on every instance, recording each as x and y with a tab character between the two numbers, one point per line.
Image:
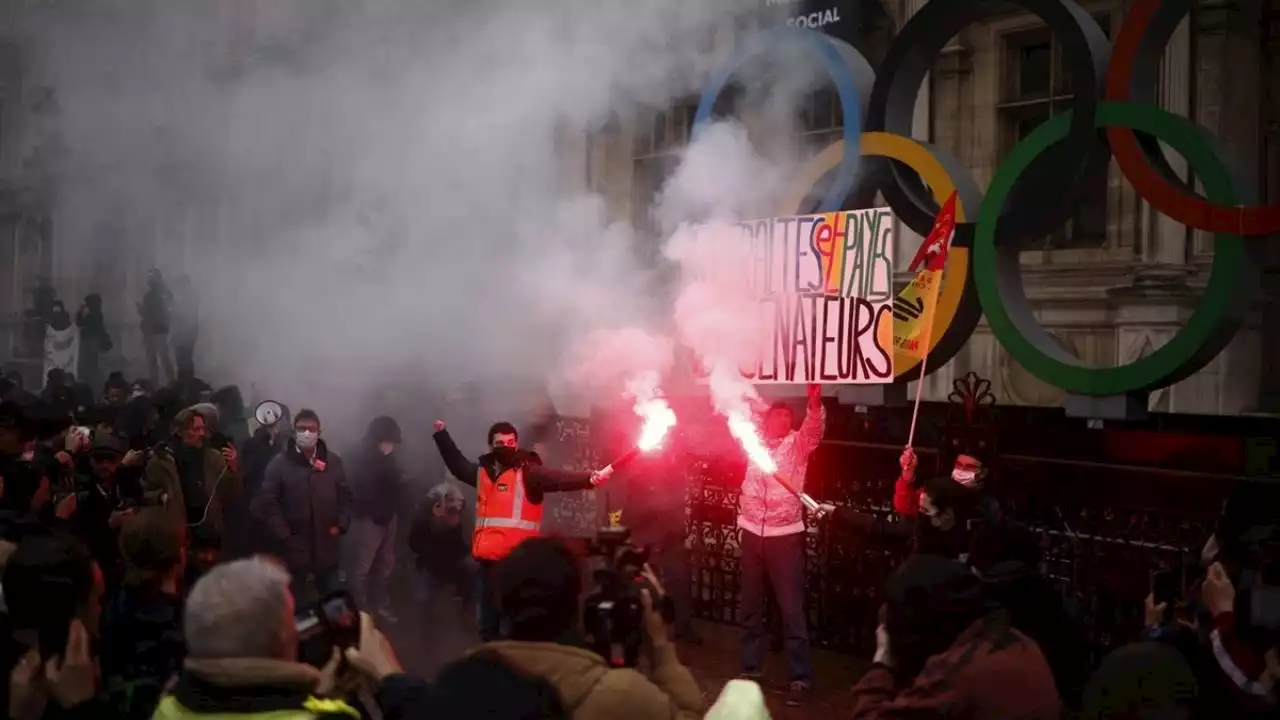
1135	61
1056	180
1227	296
958	310
848	71
1047	166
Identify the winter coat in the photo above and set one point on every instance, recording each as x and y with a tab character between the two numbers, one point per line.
439	545
376	482
219	486
154	310
990	671
307	506
93	331
765	507
590	689
255	454
141	648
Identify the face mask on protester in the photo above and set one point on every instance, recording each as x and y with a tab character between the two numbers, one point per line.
506	455
967	478
307	439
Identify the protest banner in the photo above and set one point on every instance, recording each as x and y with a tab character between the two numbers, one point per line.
821	288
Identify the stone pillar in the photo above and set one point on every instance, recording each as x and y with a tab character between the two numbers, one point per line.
1165	242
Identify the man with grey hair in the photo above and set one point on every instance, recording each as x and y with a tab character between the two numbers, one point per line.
242	646
437	538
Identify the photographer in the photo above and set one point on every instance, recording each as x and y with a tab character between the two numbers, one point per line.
232	672
53	591
540	589
102	505
944	649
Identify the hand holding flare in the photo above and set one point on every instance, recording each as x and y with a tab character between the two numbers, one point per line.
658	417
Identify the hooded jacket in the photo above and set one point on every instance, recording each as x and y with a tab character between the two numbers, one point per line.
767	509
302	501
376	483
590	689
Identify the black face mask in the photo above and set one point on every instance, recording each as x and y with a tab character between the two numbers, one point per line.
506	455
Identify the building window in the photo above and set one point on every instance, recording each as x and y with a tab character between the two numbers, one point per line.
822	118
1037	87
659	138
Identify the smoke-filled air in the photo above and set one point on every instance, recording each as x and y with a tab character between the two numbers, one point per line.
361	190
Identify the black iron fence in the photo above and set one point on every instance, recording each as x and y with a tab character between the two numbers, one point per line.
1104	524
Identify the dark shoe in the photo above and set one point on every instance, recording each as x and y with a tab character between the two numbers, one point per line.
797	693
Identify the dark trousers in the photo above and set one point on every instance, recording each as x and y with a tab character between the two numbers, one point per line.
184	351
326	583
156	348
433	581
672	561
780	562
373	558
487	618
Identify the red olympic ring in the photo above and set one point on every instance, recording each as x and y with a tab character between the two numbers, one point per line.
1187	208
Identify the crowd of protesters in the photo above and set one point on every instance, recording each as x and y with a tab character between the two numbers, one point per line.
160	551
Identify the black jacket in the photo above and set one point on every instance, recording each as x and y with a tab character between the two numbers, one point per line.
538	480
141	649
439	545
302	504
255	454
376	481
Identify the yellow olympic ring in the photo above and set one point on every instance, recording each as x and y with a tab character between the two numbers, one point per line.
917	157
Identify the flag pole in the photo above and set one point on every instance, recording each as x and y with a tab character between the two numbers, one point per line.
943	229
924	360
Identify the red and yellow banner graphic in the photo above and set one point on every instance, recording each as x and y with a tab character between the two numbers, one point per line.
916	306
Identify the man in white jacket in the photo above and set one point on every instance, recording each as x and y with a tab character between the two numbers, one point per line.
773	532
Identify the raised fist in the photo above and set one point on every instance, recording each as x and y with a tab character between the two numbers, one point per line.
439	425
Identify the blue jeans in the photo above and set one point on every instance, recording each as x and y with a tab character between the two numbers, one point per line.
780	562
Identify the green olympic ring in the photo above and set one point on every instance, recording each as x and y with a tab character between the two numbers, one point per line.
1230	290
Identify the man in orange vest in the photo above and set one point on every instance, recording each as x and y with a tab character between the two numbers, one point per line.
510	484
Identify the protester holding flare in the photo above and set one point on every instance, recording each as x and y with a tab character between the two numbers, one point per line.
771	516
510	483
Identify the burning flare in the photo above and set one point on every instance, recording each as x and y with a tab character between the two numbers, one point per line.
744	430
653	409
657	415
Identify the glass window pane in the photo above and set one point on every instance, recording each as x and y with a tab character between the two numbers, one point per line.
1034	61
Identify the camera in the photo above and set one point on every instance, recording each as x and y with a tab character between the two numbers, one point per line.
614	616
334	622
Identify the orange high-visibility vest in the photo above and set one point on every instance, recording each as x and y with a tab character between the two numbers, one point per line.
504	516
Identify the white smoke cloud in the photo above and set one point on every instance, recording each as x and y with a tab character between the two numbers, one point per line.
362	190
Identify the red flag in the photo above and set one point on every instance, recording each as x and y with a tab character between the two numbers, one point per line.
933	251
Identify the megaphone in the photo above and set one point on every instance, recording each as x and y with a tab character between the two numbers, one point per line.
268	412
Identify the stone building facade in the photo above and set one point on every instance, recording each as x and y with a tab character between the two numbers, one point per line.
1113	285
1120	279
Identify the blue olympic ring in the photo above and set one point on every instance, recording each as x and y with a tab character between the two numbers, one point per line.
842	65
